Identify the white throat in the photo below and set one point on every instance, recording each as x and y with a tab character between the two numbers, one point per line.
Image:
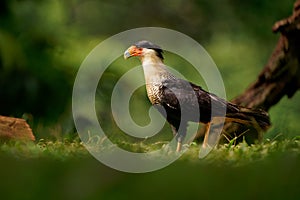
155	70
155	73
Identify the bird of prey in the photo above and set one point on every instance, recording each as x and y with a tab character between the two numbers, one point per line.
182	101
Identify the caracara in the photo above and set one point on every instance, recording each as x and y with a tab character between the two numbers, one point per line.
181	101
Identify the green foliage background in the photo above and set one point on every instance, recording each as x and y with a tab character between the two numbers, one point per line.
42	44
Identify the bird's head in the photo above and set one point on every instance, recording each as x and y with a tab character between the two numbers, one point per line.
142	49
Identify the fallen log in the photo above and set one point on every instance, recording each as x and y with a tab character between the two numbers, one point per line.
15	129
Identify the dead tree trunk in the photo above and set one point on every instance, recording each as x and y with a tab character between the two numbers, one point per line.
280	76
14	129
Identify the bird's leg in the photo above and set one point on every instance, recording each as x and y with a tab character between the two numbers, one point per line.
179	145
213	130
175	133
207	129
204	150
179	134
174	130
178	138
210	140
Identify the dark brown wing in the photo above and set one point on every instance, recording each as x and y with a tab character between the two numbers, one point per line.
180	96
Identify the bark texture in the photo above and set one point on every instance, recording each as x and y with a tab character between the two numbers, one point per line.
280	77
14	129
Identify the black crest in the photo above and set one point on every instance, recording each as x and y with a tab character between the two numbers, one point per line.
149	45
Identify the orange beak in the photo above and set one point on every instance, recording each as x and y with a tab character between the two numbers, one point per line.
132	51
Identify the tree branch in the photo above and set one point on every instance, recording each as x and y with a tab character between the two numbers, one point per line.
279	77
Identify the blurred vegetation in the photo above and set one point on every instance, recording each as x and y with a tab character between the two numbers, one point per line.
42	44
65	170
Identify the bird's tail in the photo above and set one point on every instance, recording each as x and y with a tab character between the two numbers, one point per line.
255	117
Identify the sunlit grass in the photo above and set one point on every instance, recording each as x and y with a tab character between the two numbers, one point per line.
60	150
243	154
225	154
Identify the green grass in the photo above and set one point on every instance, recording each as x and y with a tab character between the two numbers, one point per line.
225	154
58	150
65	170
